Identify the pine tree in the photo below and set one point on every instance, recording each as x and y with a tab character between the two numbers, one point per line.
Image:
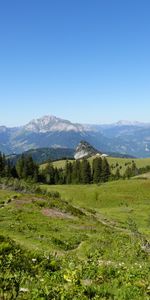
97	169
20	166
26	168
128	172
14	172
117	174
61	177
68	172
7	169
85	171
105	170
56	176
2	164
134	169
49	174
76	172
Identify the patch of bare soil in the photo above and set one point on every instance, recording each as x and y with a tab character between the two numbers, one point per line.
54	213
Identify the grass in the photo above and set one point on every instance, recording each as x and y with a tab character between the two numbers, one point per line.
118	200
34	230
58	164
123	162
6	196
90	235
26	219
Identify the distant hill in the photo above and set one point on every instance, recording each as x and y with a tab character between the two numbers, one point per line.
42	155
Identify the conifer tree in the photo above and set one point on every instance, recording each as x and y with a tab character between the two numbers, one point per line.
68	172
20	166
26	168
49	174
97	169
2	164
128	172
117	174
7	169
105	170
56	176
76	172
134	169
85	171
61	177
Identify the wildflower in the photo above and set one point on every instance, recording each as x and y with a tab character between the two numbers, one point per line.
24	290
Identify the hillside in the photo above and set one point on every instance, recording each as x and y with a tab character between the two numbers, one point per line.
42	155
117	201
82	242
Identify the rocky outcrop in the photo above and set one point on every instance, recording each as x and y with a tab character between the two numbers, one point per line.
84	149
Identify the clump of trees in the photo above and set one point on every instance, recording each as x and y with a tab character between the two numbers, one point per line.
80	171
131	170
25	168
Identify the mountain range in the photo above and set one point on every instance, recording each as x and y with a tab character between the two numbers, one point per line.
132	138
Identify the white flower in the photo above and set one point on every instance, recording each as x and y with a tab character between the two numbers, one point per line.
24	290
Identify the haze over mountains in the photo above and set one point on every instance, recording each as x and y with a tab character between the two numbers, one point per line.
125	137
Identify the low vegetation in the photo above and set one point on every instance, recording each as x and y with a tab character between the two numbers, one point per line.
79	242
73	240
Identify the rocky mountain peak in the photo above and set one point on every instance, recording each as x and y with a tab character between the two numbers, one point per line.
84	149
51	123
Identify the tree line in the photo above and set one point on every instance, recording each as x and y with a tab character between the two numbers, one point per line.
75	172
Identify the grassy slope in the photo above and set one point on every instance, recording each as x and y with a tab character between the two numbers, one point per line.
58	164
119	201
140	162
106	258
23	220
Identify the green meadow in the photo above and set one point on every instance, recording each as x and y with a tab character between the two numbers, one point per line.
118	201
83	242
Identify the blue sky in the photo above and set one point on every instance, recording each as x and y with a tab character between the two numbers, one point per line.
83	60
